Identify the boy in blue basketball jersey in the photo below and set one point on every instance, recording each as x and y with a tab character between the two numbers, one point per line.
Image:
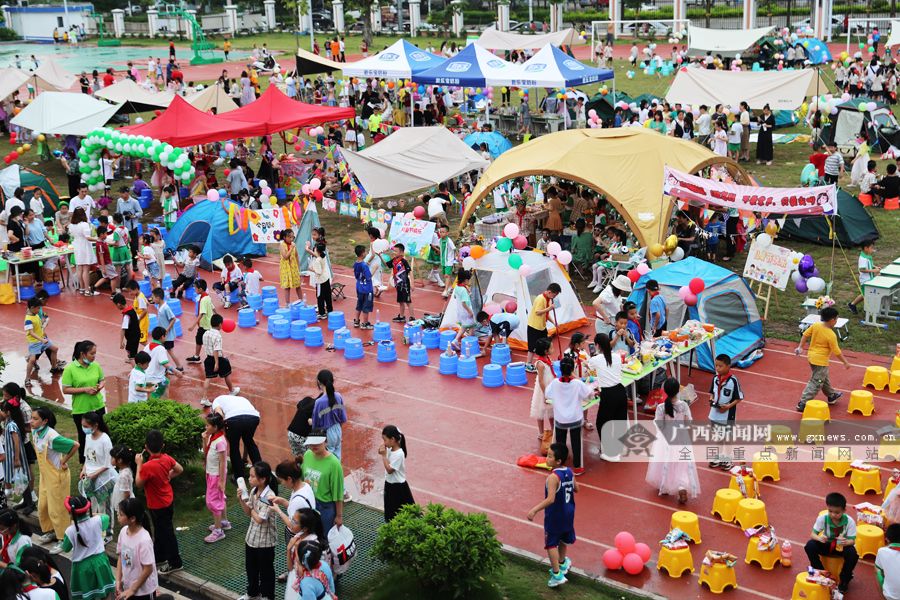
559	513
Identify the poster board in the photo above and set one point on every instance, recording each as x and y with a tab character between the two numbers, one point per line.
770	265
415	235
265	223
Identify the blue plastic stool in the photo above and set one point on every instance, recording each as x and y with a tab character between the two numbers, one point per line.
492	376
153	322
500	354
270	325
26	292
515	374
284	313
448	364
308	314
556	370
52	288
177	328
466	368
234	297
431	339
269	291
175	305
190	294
255	301
246	317
387	351
269	306
340	338
144	286
298	330
382	332
295	309
411	332
418	355
313	337
353	349
469	346
166	281
447	336
281	328
336	320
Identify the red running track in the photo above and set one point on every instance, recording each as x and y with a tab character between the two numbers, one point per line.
464	439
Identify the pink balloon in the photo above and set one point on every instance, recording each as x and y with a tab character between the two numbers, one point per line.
564	257
266	191
419	212
553	248
312	132
612	559
690	299
315	183
624	542
643	268
511	230
212	195
684	291
642	550
229	147
632	564
520	242
525	270
305	188
491	308
511	306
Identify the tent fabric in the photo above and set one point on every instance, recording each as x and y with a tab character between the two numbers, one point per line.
726	301
15	176
550	67
400	60
65	113
850	122
135	97
894	39
51	76
183	125
781	90
605	104
493	280
496	143
11	80
614	162
816	50
412	158
473	66
310	64
726	42
205	225
273	112
494	39
853	225
213	96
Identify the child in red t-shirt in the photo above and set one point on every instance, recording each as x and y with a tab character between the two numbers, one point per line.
154	475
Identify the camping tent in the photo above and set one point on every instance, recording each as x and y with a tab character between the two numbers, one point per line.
65	113
727	302
205	224
894	39
400	60
614	162
781	90
726	42
51	76
494	39
853	224
134	97
310	64
274	112
550	67
410	159
496	143
14	176
493	280
605	104
213	96
850	121
473	66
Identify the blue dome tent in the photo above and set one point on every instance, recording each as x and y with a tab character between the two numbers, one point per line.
205	225
727	302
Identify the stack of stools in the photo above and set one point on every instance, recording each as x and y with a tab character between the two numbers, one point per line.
295	307
284	313
418	355
298	330
269	291
336	320
177	328
431	339
447	336
246	317
166	282
353	349
411	333
269	306
466	367
382	332
255	301
313	337
515	374
500	354
52	288
449	363
387	351
492	376
340	338
152	323
174	304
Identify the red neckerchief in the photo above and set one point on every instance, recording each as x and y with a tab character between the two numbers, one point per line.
4	554
125	312
566	379
228	273
29	587
251	270
202	296
209	443
153	345
545	360
520	217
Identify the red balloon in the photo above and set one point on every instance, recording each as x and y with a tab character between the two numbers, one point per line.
157	112
228	325
697	285
227	171
612	559
632	564
318	195
520	242
633	275
624	542
7	159
642	550
419	212
13	155
511	306
297	147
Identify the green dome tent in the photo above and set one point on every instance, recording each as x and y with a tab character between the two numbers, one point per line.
853	225
15	176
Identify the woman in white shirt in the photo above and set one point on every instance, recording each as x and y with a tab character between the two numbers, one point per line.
302	496
606	367
567	394
396	490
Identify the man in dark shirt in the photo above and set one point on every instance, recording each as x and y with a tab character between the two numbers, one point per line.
888	187
85	83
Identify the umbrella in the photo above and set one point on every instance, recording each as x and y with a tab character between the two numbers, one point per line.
496	143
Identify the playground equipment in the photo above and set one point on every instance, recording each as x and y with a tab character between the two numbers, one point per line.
103	38
199	44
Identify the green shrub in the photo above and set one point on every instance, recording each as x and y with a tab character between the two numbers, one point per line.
180	424
8	35
444	549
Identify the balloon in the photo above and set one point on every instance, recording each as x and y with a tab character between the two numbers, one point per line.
642	550
468	263
677	255
862	107
273	201
764	240
525	270
671	244
871	106
228	325
690	299
515	261
656	250
229	147
612	559
633	275
263	184
476	251
318	195
305	189
212	195
511	306
632	564
772	228
697	285
564	257
265	190
796	276
801	286
643	268
520	242
504	244
418	212
491	308
380	245
315	183
815	284
806	266
592	113
297	147
625	542
553	248
815	272
511	230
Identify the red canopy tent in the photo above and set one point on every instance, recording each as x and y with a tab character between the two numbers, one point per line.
273	112
183	125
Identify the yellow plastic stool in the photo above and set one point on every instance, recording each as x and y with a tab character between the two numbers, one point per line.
817	409
751	513
889	487
807	590
764	558
748	481
862	401
888	449
864	482
781	438
812	431
839	467
868	539
894	383
718	577
877	377
895	364
688	523
765	464
897	419
675	562
832	564
725	504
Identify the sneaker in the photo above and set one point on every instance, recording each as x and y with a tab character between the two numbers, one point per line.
853	308
608	458
800	407
529	368
367	325
556	579
356	323
714	464
57	548
214	536
726	465
168	569
192	359
226	525
565	566
47	538
205	403
236	390
837	594
578	472
226	305
832	399
399	319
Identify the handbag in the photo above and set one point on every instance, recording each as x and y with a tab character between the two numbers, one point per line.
343	548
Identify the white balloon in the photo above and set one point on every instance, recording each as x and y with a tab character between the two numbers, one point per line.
164	157
764	240
263	183
796	276
677	254
815	284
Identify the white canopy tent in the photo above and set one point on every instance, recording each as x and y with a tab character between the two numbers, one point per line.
65	113
726	42
51	76
494	39
411	159
11	80
213	96
894	39
398	61
126	91
781	90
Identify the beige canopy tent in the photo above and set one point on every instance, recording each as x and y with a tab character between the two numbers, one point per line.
11	80
51	76
494	39
126	91
781	90
726	42
309	63
410	159
623	164
65	113
894	39
213	96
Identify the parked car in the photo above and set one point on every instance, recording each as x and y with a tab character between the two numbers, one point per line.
646	29
837	25
525	26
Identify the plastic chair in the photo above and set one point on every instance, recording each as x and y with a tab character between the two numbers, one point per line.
336	320
431	339
751	513
765	464
52	288
446	336
767	559
865	481
862	401
725	504
675	562
817	409
353	349
313	337
811	431
688	522
869	539
515	374
808	590
246	317
892	204
448	364
718	577
466	367
894	384
418	356
298	329
382	332
877	377
837	464
492	376
387	351
339	340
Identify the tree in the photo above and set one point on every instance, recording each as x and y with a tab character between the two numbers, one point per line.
365	8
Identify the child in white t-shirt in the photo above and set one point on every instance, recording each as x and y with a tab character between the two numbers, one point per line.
138	387
123	461
252	279
720	140
215	447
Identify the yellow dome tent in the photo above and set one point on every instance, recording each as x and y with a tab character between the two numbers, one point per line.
623	164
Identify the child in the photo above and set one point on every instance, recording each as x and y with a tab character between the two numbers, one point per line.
320	278
714	228
834	534
311	574
92	577
130	333
138	388
232	280
447	258
189	267
543	241
165	317
155	477
16	537
289	266
141	308
120	250
204	315
887	564
465	312
159	363
215	364
37	339
401	277
634	322
215	447
136	575
567	395
540	408
823	344
148	257
123	461
396	490
559	513
159	250
621	339
17	471
725	393
365	295
97	475
667	471
867	270
42	571
544	303
108	271
262	533
502	325
54	452
169	206
252	281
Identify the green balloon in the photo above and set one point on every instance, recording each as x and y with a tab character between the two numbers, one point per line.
515	261
504	244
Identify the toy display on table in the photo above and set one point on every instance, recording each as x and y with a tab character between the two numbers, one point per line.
676	539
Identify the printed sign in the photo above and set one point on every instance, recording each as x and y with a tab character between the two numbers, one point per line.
415	235
771	265
266	223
